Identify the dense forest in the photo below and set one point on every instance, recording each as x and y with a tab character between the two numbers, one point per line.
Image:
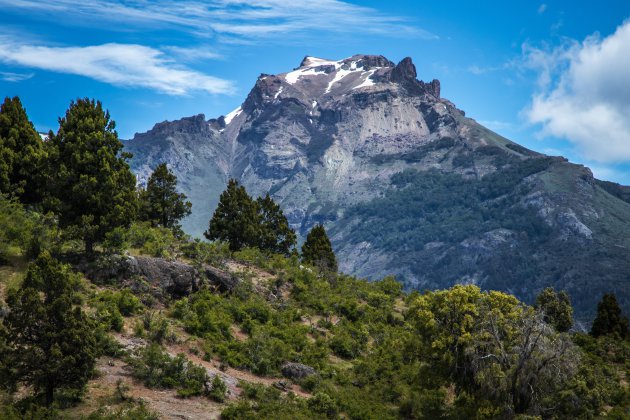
104	300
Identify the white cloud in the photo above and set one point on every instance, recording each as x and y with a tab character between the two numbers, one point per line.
241	18
542	8
116	64
192	54
584	94
14	77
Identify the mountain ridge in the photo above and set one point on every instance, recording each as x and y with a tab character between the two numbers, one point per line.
330	138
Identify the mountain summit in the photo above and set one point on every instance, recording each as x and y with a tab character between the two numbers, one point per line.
405	183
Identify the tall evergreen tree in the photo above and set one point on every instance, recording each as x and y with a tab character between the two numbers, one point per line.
236	219
49	342
21	153
94	187
160	203
276	234
317	249
609	319
557	309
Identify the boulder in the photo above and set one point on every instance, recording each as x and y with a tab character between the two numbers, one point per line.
225	281
172	277
293	370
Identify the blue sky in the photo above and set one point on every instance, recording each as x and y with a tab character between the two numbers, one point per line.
550	75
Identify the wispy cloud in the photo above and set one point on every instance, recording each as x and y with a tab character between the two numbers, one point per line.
584	94
478	70
15	77
117	64
498	125
542	8
251	19
192	53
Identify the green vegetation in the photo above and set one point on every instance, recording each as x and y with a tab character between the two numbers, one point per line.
235	220
433	206
93	187
556	308
48	341
305	341
610	320
318	251
275	234
244	222
160	203
21	153
157	369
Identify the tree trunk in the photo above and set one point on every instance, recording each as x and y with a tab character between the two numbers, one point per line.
89	246
50	393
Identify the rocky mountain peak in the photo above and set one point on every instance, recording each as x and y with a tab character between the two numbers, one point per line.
343	142
404	71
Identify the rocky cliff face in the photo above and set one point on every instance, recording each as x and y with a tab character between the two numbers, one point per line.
342	143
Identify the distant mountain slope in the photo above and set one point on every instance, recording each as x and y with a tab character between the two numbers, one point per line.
405	183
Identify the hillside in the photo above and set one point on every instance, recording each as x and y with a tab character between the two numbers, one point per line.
288	342
406	183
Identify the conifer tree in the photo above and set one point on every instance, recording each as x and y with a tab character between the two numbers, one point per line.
48	341
160	203
317	249
21	153
556	308
236	219
276	234
609	319
94	187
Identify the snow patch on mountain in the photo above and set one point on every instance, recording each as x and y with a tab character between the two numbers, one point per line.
368	80
229	117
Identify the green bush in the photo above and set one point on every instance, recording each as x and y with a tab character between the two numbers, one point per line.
127	412
322	403
108	315
116	241
156	369
218	389
154	241
214	253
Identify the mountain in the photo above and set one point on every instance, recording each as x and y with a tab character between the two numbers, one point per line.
405	183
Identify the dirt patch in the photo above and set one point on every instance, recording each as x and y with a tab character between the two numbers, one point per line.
238	334
229	375
101	392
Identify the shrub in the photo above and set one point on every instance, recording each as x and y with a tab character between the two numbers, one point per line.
218	389
156	369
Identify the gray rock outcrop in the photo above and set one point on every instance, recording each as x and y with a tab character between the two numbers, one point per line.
173	278
297	371
329	136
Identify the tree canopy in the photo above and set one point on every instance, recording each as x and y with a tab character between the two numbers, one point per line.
235	219
275	233
49	341
557	309
244	222
609	319
94	188
317	250
160	203
21	153
492	345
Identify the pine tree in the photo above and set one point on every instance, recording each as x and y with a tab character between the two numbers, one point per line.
556	308
21	153
609	319
94	187
276	234
160	203
49	342
318	251
236	219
